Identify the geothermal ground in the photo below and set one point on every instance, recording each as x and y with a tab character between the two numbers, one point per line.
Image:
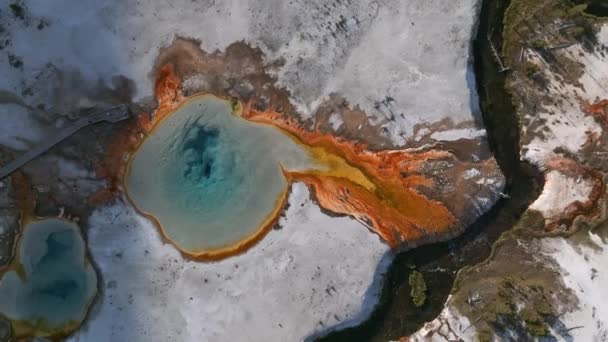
541	277
302	171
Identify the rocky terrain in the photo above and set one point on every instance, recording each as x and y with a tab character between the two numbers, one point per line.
397	103
559	77
541	280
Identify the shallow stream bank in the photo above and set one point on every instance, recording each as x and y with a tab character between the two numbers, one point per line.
396	315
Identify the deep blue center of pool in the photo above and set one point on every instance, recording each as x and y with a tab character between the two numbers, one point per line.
200	148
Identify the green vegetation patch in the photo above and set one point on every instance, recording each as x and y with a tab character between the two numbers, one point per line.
532	220
576	10
531	69
505	294
527	316
418	286
534	322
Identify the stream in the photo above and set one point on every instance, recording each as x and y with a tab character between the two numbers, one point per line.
598	8
395	315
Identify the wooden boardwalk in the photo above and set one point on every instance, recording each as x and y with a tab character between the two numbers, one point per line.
115	114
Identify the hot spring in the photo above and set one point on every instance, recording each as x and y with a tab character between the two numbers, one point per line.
50	286
212	180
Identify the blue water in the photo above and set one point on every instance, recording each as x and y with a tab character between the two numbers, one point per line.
209	177
58	285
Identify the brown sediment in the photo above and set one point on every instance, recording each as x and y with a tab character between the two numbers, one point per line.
24	196
590	210
531	93
377	188
22	331
25	202
241	71
599	110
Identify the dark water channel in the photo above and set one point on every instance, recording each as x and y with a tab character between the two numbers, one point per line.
598	8
396	316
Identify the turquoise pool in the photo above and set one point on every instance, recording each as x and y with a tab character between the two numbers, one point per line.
56	285
210	178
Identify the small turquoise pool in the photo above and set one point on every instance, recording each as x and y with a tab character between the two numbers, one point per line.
210	178
55	284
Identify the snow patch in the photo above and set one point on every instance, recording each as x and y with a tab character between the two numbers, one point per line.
19	130
559	192
471	173
315	272
565	124
366	51
73	174
602	35
457	134
448	326
410	56
335	121
583	270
